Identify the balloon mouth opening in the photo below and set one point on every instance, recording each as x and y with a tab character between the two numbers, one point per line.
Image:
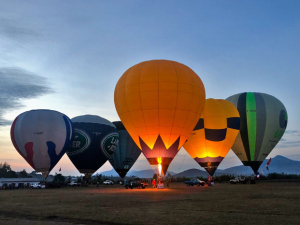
45	174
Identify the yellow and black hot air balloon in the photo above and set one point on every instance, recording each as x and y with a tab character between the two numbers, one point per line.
159	102
214	134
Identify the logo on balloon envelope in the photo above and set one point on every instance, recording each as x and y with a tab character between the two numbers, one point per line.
80	142
110	143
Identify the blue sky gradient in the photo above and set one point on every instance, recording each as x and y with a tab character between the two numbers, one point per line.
78	50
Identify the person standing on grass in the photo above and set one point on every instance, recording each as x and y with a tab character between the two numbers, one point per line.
167	183
153	183
98	185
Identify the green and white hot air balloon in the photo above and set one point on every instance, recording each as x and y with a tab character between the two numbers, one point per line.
263	122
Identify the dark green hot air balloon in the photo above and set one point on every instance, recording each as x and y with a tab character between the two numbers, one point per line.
263	122
126	153
94	141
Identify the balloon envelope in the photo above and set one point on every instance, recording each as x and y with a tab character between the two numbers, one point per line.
126	153
214	134
263	122
95	140
42	138
159	103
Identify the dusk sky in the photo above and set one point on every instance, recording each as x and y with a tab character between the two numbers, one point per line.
68	56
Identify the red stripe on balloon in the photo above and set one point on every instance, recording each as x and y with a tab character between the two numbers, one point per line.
29	153
12	135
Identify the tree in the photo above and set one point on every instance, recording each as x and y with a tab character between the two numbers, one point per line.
6	172
4	167
23	174
58	178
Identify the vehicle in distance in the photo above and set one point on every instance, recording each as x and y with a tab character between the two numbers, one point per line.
135	183
238	180
37	186
74	184
193	182
107	182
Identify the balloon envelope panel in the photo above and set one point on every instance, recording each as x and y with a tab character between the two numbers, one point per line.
95	140
159	103
263	122
126	153
42	137
214	134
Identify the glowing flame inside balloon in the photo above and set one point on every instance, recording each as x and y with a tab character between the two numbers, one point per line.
159	169
159	165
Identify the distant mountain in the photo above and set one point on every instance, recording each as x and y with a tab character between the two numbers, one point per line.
110	173
192	173
236	170
279	164
141	174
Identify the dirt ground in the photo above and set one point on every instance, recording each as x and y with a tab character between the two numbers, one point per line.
262	203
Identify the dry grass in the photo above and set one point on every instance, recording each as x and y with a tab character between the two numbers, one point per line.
263	203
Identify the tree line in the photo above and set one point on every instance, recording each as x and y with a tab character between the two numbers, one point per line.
7	172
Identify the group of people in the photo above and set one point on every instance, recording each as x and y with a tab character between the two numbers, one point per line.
159	182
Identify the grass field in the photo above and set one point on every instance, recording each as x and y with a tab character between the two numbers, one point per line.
262	203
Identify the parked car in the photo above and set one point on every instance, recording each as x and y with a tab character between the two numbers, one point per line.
237	180
193	182
107	182
74	184
234	180
37	186
135	183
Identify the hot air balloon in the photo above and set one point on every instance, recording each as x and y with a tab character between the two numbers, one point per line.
214	134
126	153
95	140
159	103
42	138
263	122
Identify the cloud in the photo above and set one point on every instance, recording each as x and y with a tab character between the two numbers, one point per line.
16	31
16	85
288	144
292	132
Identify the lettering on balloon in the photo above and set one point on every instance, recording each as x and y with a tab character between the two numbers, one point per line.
110	143
278	134
80	142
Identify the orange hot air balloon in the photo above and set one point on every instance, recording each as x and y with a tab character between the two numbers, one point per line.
159	102
214	134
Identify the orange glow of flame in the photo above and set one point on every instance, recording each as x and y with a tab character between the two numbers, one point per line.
159	169
159	165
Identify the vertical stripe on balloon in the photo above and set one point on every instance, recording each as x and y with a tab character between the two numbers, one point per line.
241	106
251	122
261	118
